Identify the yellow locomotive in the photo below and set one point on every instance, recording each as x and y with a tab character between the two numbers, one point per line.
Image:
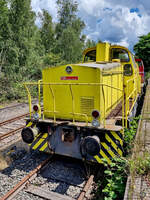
85	106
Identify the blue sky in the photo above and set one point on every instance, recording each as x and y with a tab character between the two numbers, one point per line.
116	21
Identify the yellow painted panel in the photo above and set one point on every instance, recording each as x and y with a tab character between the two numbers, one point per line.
102	52
29	124
86	98
113	84
104	156
117	137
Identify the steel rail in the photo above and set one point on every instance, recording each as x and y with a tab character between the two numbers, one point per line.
13	119
13	106
86	187
6	135
15	190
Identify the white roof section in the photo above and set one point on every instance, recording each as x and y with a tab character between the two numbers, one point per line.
100	65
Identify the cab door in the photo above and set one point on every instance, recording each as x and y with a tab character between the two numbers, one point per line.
121	53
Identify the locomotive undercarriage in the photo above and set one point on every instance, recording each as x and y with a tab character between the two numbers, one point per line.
88	143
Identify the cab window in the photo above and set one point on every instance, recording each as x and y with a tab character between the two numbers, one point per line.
117	53
90	56
128	70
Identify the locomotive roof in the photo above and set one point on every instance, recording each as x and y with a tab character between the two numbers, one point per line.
101	65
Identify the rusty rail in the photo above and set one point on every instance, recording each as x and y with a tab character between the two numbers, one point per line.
13	119
24	181
6	135
86	187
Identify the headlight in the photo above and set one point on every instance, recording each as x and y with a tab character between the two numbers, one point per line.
95	123
36	116
28	134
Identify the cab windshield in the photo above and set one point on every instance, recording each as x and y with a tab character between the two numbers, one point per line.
117	53
90	56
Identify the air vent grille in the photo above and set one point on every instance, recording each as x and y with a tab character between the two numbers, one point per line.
86	105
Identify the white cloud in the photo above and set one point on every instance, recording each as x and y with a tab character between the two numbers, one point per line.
114	22
108	20
50	5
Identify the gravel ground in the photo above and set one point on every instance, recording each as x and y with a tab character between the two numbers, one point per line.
22	163
62	177
9	113
13	112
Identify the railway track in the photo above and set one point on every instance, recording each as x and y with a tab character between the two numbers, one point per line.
12	126
12	106
30	184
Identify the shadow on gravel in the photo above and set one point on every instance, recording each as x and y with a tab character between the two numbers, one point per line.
62	174
21	161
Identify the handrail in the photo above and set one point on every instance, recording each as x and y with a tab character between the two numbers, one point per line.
92	84
39	91
39	83
73	104
54	105
128	96
29	99
104	106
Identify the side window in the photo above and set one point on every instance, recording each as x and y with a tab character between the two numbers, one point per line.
128	70
90	56
133	61
117	53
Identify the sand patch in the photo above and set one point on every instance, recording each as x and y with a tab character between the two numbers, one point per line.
4	162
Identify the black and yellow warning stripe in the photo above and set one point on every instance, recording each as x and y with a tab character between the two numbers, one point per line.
40	143
111	147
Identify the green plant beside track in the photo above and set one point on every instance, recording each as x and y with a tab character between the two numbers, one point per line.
112	187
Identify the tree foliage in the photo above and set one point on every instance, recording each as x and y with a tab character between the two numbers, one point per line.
47	31
90	43
142	50
70	41
26	48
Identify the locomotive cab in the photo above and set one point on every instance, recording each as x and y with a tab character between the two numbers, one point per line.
131	71
131	78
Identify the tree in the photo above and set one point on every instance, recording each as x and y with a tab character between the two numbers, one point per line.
142	50
90	43
4	30
66	15
70	41
22	20
20	48
47	31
